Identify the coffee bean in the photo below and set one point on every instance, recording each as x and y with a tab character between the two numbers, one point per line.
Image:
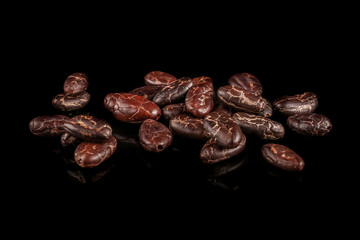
91	154
88	128
172	110
154	136
159	78
199	99
173	92
282	157
147	91
76	83
48	126
131	108
211	152
66	102
225	131
243	100
188	126
310	124
306	102
264	127
246	81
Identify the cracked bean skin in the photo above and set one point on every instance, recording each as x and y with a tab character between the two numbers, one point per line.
76	83
199	99
282	157
203	79
158	78
91	154
263	127
309	124
48	125
154	136
225	131
147	91
172	110
188	126
212	153
173	92
243	100
246	81
66	102
306	102
131	108
88	128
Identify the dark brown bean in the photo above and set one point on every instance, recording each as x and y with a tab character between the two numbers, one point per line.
66	102
159	78
154	136
188	126
282	157
306	102
264	127
67	139
88	128
225	131
90	154
173	92
211	152
172	110
199	99
48	126
76	83
243	100
131	108
147	91
310	124
246	81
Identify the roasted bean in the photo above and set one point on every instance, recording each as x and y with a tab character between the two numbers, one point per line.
66	102
264	127
211	152
159	78
199	99
282	157
88	128
154	136
203	79
90	154
172	110
173	92
188	126
246	81
76	83
225	131
243	100
306	102
131	108
147	91
310	124
48	126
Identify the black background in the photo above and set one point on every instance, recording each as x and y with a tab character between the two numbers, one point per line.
116	54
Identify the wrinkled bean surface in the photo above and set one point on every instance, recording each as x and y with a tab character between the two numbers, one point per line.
76	83
91	154
154	136
282	157
211	152
243	100
159	78
66	102
173	92
264	127
220	126
306	102
131	108
311	124
246	81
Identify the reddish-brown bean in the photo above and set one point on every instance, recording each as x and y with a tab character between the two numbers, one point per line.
66	102
173	92
131	108
154	136
76	83
199	99
159	78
